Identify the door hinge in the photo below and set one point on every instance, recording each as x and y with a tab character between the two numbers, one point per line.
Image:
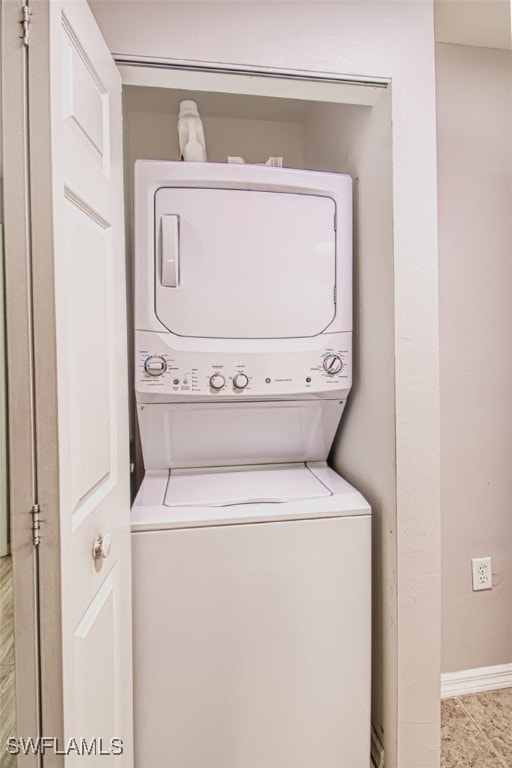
36	524
25	23
335	295
335	222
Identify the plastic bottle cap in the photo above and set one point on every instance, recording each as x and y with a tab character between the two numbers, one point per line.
188	109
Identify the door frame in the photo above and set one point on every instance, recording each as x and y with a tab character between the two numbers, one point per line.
23	490
308	86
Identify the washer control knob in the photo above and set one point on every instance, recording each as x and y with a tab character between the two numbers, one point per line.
333	364
240	381
155	365
217	381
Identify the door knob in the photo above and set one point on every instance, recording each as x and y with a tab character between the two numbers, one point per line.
102	546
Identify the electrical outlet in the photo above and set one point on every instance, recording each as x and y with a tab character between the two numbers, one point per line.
481	570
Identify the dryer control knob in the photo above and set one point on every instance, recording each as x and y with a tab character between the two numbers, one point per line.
333	364
155	365
240	381
217	381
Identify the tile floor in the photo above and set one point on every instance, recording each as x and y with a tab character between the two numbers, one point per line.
476	730
6	662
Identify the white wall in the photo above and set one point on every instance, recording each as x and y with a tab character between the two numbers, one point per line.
370	39
474	94
151	119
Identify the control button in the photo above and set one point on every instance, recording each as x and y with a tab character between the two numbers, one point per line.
176	382
332	364
155	365
240	381
267	381
217	381
308	379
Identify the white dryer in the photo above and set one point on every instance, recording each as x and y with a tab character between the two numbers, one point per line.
251	556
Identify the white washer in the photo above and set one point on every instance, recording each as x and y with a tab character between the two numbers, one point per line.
251	619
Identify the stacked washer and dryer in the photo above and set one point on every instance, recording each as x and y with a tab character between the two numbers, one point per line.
251	557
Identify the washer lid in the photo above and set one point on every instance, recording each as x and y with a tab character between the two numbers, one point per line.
220	489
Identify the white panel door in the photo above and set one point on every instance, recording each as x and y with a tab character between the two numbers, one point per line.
91	376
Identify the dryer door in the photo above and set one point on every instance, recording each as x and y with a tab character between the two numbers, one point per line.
244	263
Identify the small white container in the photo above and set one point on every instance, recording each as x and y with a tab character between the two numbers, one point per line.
191	133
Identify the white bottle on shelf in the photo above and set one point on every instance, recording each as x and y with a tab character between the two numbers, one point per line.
191	133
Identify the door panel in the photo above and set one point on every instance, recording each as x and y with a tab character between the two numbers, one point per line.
84	97
86	600
96	641
91	339
235	247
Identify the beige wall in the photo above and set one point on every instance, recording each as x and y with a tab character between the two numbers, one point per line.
485	23
474	108
358	141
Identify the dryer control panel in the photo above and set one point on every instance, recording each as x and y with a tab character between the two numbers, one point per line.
178	375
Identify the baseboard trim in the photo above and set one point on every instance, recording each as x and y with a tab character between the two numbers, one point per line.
475	680
376	750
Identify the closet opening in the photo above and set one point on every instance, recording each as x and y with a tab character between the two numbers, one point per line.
340	127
